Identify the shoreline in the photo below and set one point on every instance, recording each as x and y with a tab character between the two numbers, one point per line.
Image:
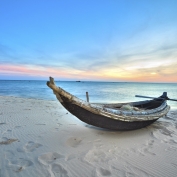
40	138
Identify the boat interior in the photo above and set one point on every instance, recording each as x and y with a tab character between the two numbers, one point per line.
142	105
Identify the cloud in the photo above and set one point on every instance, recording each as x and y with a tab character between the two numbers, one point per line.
127	63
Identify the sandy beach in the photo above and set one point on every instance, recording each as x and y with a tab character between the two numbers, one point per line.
40	138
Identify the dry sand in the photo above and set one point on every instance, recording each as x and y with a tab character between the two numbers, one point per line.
41	139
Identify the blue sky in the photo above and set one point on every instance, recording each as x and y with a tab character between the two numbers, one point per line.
114	40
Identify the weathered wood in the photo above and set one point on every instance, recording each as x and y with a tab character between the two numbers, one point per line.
103	121
163	96
111	116
140	96
87	96
52	80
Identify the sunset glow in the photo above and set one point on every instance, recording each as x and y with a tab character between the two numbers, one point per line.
99	41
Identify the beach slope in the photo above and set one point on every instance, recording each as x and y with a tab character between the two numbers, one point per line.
40	138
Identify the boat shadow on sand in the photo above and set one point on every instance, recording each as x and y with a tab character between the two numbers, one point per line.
166	128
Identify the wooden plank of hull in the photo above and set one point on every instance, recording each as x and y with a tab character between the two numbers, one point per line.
102	121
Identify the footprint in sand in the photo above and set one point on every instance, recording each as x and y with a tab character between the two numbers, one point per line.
96	155
171	148
150	143
133	170
147	151
58	170
163	129
103	172
148	146
49	158
70	157
9	154
170	141
19	164
119	171
7	141
166	132
29	147
173	142
73	141
17	127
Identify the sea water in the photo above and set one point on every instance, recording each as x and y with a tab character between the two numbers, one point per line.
99	92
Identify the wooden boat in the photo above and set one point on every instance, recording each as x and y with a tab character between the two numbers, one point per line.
119	116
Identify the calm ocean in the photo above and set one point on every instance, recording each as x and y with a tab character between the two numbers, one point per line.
98	91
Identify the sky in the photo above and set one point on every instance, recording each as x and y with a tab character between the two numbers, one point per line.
95	40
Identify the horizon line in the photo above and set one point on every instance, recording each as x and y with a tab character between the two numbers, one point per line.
89	81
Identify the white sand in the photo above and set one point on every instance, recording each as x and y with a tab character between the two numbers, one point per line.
41	139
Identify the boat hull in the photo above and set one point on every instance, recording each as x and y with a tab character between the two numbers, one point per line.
100	120
112	116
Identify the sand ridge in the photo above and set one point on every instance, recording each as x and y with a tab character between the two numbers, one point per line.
40	138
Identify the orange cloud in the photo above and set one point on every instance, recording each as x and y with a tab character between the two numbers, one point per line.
32	71
110	74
